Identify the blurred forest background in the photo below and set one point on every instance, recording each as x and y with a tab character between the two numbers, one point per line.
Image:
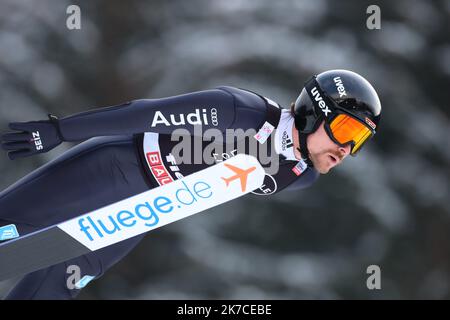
389	206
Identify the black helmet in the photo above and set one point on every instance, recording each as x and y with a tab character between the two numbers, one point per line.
333	93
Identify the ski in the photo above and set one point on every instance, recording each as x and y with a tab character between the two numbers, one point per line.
127	218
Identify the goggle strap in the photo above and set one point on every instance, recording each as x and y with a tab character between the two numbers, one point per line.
316	94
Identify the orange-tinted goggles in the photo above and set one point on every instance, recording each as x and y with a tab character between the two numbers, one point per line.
344	129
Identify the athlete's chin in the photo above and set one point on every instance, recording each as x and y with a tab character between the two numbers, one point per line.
323	167
323	170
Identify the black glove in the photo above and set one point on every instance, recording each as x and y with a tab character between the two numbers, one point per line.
31	137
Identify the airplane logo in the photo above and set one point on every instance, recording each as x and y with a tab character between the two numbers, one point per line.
240	173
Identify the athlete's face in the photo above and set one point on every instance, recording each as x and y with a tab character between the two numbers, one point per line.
323	152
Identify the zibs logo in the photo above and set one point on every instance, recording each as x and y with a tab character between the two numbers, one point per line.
323	106
37	140
194	118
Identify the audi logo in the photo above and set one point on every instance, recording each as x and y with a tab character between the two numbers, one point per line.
214	119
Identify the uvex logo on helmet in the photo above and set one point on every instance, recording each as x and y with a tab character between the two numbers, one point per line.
340	86
323	106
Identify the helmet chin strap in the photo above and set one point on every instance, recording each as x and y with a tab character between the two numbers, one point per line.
304	149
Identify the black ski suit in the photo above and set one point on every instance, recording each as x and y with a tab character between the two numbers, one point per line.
112	166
